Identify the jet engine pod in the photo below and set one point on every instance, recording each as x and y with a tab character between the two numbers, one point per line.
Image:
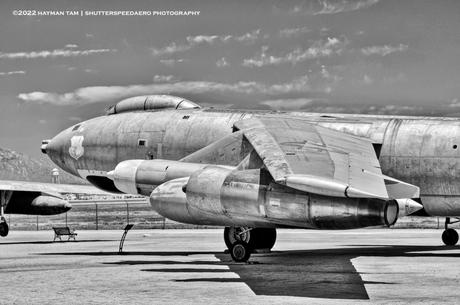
50	205
349	213
207	198
168	200
218	195
30	203
142	176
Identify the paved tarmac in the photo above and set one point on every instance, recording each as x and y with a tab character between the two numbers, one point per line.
189	267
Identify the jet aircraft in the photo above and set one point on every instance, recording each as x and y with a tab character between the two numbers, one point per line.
36	198
254	171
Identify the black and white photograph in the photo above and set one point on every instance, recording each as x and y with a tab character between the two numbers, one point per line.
229	152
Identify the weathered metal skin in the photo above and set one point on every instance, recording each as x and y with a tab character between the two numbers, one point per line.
220	196
418	150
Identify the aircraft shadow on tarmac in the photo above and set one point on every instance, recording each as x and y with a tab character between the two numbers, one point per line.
322	273
52	242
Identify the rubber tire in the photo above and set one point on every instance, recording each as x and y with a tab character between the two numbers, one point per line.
259	238
227	233
4	229
240	252
450	237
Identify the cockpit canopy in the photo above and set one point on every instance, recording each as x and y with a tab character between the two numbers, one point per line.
151	103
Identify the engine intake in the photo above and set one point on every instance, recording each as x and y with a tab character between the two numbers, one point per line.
142	176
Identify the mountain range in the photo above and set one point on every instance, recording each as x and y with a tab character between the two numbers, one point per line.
18	166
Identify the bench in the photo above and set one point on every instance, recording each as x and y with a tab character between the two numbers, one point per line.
61	231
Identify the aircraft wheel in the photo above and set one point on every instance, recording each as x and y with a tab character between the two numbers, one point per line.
240	251
4	229
450	237
234	234
257	238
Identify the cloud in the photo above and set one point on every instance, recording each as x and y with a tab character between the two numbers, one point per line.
193	41
71	46
95	94
163	78
171	62
383	50
328	7
249	37
210	39
367	79
171	49
293	32
321	48
222	63
42	121
12	73
54	53
323	106
454	103
288	104
91	71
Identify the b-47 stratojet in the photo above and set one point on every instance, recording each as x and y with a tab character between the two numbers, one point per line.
254	171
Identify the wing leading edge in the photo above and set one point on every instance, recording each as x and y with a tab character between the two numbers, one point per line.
49	188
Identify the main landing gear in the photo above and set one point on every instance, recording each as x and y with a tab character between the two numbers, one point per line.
242	241
450	236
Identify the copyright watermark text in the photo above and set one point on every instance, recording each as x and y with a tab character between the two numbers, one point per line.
89	13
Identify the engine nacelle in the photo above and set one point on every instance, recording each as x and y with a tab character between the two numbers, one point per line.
220	196
142	176
30	203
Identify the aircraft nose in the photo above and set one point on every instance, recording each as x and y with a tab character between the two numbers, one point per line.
44	145
51	147
56	145
57	149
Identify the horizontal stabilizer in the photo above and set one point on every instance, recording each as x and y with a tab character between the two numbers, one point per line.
398	189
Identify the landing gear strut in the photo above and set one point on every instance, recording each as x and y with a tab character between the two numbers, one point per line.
251	239
5	197
450	236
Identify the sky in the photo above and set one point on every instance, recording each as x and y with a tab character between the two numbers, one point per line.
362	56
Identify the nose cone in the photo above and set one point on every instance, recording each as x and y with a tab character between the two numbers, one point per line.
57	150
44	146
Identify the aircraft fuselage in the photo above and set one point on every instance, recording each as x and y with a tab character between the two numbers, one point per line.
423	151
